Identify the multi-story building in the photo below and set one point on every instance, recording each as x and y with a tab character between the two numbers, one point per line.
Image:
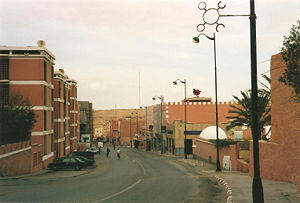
74	117
61	113
86	120
29	71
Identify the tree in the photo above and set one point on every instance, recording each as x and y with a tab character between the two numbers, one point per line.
291	55
17	120
242	113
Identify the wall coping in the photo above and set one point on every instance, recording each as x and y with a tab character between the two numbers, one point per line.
200	103
204	141
14	152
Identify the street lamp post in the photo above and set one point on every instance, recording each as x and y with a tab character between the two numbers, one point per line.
137	125
257	188
183	82
130	131
146	127
161	140
196	40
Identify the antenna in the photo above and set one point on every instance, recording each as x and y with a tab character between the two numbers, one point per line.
139	89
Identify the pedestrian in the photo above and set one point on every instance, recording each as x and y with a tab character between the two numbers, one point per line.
114	146
99	150
107	151
118	153
173	147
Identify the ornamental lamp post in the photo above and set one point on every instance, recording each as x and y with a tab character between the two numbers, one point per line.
183	82
161	140
257	188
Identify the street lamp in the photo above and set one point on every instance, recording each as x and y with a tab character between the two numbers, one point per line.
161	140
196	40
146	126
130	131
183	82
137	125
257	188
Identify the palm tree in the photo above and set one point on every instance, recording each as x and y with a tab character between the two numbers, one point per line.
242	112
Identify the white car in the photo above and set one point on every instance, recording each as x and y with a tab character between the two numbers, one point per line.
92	149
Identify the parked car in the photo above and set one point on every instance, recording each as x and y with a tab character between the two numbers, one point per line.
86	154
92	149
88	161
67	163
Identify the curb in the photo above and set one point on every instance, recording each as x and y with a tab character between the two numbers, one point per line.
41	172
227	188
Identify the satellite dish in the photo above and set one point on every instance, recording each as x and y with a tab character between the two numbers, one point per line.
41	43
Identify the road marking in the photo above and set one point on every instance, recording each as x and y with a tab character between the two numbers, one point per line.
118	193
144	170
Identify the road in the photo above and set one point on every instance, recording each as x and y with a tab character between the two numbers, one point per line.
138	176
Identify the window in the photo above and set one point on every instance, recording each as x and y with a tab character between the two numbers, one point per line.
4	69
59	115
45	144
52	143
52	71
45	96
35	159
64	109
52	97
45	120
45	71
4	95
59	89
51	119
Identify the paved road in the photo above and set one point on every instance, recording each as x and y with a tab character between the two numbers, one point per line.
137	177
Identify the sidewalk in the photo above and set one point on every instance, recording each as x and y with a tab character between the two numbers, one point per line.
238	185
47	174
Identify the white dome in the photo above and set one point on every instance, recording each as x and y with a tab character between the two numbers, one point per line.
210	133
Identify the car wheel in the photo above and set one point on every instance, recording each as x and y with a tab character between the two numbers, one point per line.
77	168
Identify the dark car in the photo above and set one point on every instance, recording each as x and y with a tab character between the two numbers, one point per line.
88	155
89	162
67	163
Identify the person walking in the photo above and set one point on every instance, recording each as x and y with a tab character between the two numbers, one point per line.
99	150
107	151
118	153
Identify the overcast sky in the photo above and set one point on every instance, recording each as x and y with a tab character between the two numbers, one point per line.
105	44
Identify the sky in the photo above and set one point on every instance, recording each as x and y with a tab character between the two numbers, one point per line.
122	53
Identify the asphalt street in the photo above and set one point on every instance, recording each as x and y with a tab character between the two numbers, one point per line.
138	176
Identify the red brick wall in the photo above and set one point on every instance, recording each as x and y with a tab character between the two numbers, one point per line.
15	164
36	157
205	150
31	69
280	158
198	112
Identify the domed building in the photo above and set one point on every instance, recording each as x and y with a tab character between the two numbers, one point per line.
210	133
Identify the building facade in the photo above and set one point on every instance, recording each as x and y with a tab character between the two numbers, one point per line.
28	71
61	113
280	156
86	121
74	117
